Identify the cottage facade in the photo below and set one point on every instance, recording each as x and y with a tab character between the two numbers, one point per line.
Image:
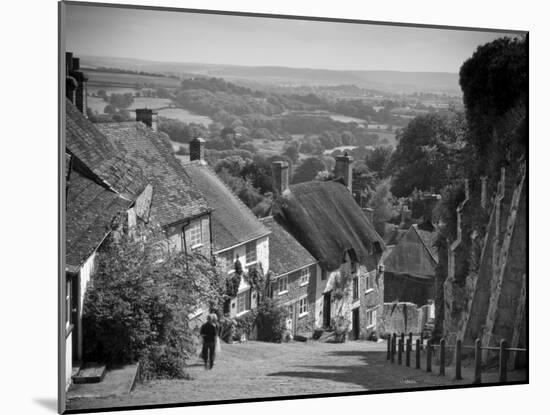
326	220
237	235
125	171
293	278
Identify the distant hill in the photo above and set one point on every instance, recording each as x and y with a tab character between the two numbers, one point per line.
390	81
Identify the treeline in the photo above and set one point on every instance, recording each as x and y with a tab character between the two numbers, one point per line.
129	71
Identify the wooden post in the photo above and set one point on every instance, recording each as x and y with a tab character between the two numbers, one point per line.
408	353
400	352
429	356
442	357
477	362
421	340
393	340
411	337
417	354
458	358
388	347
502	373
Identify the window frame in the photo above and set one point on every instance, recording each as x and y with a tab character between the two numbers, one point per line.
369	284
304	273
246	253
279	281
355	288
245	295
193	226
303	304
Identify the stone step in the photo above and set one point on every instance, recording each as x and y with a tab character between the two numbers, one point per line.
90	372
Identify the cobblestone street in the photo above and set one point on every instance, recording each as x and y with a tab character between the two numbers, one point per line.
256	370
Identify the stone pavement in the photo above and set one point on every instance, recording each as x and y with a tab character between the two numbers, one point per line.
117	382
257	370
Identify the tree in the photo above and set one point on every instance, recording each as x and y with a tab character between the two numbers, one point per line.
382	205
495	86
292	153
378	160
138	305
308	170
426	149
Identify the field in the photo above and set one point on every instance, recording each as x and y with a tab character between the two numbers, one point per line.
108	79
185	116
98	105
269	148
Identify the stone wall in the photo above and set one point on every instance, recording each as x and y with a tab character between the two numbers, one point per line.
401	318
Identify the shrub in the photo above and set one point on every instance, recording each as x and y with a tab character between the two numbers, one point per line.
270	321
138	306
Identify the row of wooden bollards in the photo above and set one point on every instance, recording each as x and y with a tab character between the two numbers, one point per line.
395	346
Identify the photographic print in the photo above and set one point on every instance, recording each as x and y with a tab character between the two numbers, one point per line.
275	207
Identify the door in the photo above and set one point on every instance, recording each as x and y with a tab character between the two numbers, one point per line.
290	318
355	323
326	310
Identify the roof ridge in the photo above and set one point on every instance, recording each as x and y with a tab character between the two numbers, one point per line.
424	243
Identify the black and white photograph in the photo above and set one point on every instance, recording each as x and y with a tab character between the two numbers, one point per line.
269	207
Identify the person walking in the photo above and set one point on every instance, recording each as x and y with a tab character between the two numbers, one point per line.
209	332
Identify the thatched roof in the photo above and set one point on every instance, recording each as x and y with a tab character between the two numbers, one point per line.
326	220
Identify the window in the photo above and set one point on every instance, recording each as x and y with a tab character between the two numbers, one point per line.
195	234
282	284
243	301
251	252
226	261
370	283
355	288
304	276
371	317
303	306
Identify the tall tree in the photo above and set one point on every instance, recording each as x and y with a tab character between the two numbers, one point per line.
495	86
425	151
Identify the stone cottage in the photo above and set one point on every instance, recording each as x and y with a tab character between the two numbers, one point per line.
326	220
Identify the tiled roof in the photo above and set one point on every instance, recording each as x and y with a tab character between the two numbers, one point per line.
175	198
285	252
411	256
326	220
89	145
90	211
232	221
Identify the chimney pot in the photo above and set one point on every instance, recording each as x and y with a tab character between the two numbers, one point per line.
76	64
280	177
196	150
343	169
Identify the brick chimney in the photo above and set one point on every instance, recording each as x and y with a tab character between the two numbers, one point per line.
196	150
343	169
279	170
147	117
75	82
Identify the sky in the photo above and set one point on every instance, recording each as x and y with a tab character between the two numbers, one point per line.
168	36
